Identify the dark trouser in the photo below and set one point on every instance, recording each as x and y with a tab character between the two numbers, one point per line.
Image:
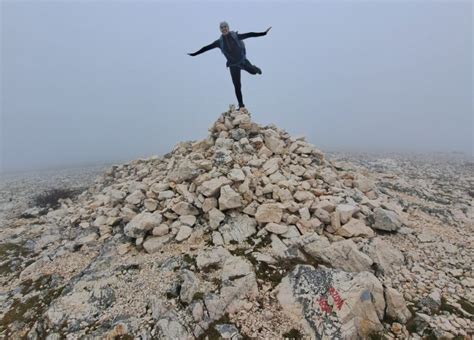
235	74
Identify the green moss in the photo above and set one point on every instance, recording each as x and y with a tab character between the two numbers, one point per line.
189	259
466	305
293	334
11	257
198	296
210	268
26	312
376	336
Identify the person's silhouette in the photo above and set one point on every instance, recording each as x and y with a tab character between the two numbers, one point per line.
233	48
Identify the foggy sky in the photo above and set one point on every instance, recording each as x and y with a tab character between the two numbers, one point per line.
101	81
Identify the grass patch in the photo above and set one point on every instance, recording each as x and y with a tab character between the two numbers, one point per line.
466	305
50	198
25	312
293	334
12	255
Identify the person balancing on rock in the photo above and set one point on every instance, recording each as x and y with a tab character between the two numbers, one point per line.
233	48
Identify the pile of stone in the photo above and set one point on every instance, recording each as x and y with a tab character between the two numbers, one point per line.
277	197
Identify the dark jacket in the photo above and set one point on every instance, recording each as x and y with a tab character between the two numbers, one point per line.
232	50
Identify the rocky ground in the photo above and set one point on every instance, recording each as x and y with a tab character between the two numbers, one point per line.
250	233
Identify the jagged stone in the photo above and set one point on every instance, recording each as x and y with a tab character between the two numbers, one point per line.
355	228
142	223
229	199
212	187
184	208
215	218
183	233
154	244
276	228
396	306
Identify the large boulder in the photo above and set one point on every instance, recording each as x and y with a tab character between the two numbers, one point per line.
333	304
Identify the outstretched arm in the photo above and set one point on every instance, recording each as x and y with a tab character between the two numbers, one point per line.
205	48
253	34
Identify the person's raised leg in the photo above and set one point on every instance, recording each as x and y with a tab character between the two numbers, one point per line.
235	74
252	69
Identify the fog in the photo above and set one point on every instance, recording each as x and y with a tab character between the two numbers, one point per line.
108	81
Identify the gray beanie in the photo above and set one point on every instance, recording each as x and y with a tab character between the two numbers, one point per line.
223	23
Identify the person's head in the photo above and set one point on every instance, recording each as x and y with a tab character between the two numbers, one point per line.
224	27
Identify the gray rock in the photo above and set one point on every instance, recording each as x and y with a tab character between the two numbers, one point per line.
355	228
135	198
269	212
183	233
345	211
189	286
346	256
211	257
386	220
228	331
212	187
142	223
171	328
387	258
154	244
236	175
215	218
276	228
185	171
184	208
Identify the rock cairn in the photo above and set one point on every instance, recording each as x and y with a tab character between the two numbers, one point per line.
306	230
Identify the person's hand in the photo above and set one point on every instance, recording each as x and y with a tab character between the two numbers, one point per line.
268	29
191	54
